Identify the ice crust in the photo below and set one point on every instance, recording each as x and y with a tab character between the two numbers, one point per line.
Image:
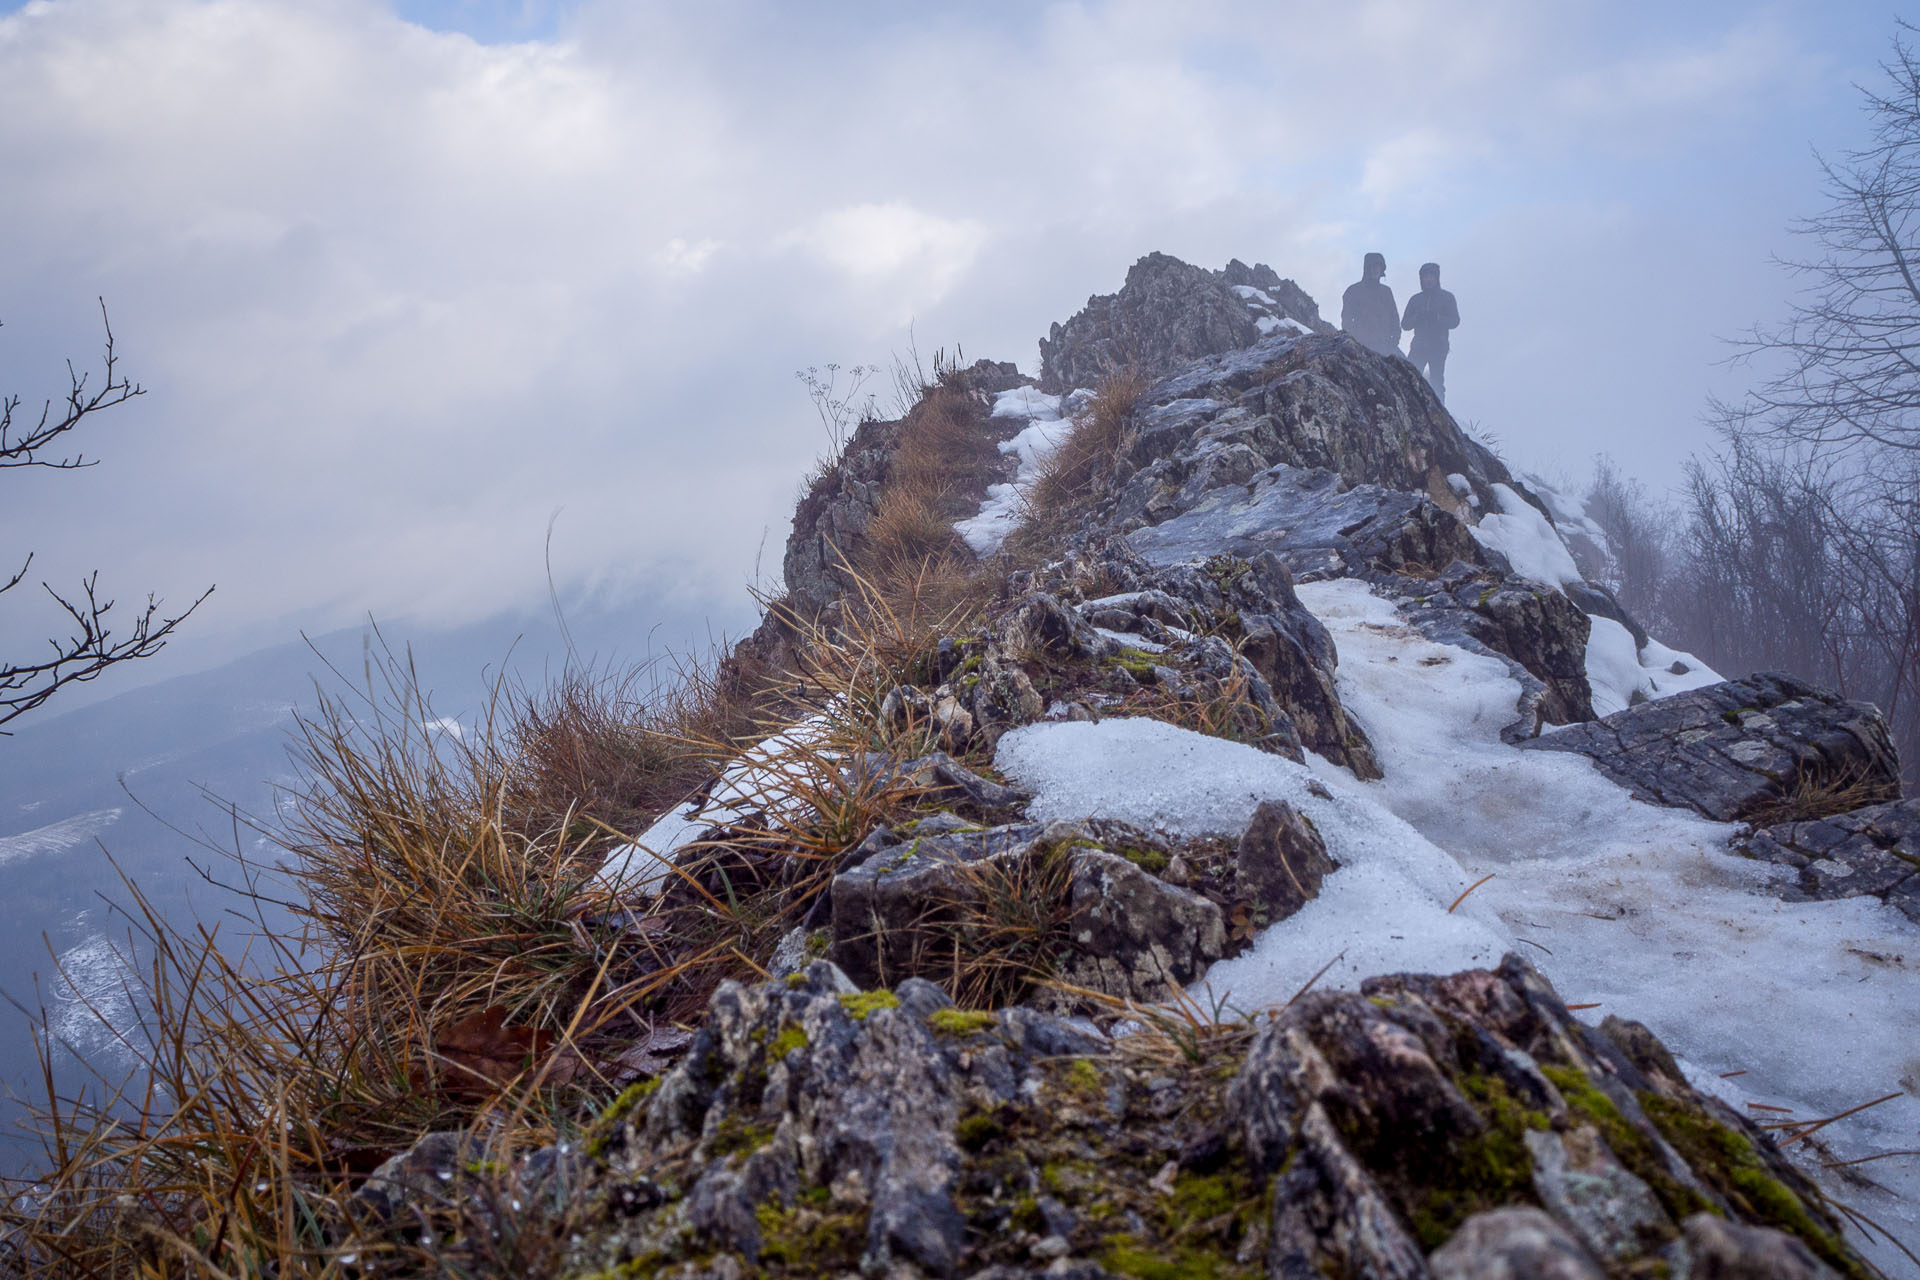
1641	909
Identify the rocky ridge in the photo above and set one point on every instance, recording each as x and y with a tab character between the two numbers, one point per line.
848	1116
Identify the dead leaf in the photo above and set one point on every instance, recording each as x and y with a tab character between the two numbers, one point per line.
481	1053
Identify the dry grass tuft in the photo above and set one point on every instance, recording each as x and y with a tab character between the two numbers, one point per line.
458	966
997	934
1085	458
1823	793
598	753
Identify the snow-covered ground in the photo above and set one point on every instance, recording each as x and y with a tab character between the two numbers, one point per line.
1639	910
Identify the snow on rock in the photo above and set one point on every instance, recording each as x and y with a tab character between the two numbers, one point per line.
1527	539
1639	908
1026	402
1616	670
1568	513
760	779
1643	910
1046	430
1385	909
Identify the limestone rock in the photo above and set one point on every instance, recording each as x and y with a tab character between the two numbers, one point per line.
920	905
1741	749
1513	1244
1715	1249
1168	312
1281	861
1872	851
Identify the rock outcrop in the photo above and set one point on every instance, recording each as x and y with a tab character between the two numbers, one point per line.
1764	748
1462	1126
1081	1118
1863	852
1168	313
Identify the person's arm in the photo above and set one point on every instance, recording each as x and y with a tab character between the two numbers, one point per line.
1453	312
1407	317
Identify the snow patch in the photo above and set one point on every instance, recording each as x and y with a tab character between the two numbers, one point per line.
1527	539
1641	908
1045	431
56	836
1383	911
760	780
1616	670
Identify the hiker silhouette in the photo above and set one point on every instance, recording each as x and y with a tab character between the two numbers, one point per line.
1431	314
1367	309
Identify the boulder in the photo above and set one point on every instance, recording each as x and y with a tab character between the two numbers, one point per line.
1514	1244
1169	312
1759	749
1317	526
1872	852
1317	403
1280	862
1067	897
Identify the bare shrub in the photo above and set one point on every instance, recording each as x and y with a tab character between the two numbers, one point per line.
1638	539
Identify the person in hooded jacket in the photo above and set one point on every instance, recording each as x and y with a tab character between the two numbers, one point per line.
1432	314
1368	311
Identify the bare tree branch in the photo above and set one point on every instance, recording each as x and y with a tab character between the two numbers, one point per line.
1843	371
24	450
90	646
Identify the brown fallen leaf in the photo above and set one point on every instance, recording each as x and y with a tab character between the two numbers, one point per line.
481	1053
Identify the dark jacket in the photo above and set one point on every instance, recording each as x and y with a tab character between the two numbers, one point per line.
1430	313
1367	311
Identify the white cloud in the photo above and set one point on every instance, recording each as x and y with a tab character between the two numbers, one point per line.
913	255
400	295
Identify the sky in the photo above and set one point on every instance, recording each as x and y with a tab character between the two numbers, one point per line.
412	284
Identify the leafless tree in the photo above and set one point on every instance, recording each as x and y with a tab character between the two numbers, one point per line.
1638	533
90	645
1843	372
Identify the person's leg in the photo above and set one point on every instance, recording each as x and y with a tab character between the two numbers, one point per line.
1437	374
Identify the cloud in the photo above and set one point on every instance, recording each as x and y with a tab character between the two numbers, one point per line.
893	244
400	294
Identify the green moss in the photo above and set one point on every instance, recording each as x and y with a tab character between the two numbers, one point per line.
486	1168
1585	1100
860	1006
734	1136
1151	861
1472	1172
1137	663
1202	1198
1486	595
972	664
1130	1256
791	1037
962	1022
1726	1159
1084	1079
796	980
808	1239
607	1123
975	1131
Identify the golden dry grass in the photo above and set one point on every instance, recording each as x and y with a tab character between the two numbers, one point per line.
1072	474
